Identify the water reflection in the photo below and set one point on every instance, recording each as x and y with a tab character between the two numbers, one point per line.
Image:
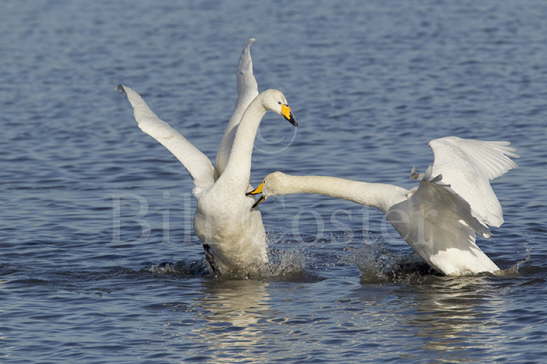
455	315
232	311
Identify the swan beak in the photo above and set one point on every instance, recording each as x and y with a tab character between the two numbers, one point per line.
256	191
287	114
259	201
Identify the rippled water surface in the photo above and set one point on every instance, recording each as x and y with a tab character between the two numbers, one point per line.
98	260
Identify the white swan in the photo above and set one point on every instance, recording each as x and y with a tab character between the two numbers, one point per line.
442	216
232	233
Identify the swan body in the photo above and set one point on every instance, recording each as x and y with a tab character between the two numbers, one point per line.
232	233
441	217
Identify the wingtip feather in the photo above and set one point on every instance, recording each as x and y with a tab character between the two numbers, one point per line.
121	89
246	60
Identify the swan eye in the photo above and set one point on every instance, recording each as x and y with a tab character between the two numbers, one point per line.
279	102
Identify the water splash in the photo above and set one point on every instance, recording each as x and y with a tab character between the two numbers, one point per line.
288	265
514	269
285	265
378	264
184	268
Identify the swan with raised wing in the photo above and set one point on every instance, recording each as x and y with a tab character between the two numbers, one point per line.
441	217
232	233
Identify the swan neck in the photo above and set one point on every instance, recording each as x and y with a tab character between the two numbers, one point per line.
242	102
239	163
379	195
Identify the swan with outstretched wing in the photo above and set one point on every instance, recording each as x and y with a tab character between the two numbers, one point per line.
441	217
232	233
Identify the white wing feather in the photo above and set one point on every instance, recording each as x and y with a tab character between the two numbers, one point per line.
196	163
247	90
468	166
439	225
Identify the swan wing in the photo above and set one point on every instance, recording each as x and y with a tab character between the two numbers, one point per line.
247	90
468	166
195	162
439	225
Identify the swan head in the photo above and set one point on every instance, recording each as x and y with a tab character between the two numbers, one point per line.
273	184
274	100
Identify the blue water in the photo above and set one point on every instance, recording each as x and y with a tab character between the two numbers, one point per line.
99	263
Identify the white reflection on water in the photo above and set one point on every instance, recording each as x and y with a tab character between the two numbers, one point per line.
231	311
451	313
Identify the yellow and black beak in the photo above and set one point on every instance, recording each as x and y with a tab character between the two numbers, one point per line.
287	114
256	191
